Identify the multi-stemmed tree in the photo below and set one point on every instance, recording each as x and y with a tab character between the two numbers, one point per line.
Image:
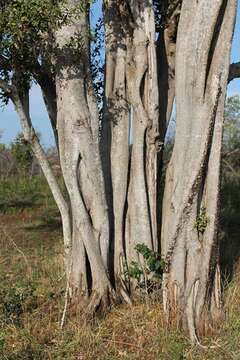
155	52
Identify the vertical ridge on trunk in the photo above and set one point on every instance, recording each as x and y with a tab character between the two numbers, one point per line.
79	155
143	97
117	117
192	183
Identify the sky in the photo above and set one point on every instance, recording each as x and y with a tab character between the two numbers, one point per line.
9	123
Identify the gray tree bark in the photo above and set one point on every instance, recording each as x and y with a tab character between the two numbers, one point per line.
192	294
131	104
20	100
77	122
116	128
166	57
143	98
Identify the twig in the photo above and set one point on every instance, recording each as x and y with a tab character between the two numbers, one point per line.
65	306
66	296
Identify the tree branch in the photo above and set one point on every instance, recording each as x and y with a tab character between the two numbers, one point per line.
234	71
31	137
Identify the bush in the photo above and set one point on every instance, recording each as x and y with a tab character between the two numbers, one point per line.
17	194
15	301
22	153
148	270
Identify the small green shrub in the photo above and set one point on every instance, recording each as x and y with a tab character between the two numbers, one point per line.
15	301
176	347
148	270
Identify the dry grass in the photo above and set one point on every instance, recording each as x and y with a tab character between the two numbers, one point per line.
31	258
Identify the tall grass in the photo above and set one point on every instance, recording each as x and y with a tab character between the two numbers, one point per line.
31	304
32	284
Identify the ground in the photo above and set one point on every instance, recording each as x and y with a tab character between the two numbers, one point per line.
32	286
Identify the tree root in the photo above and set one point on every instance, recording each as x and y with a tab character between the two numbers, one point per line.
126	298
100	301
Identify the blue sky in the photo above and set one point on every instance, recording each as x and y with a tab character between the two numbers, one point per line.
9	123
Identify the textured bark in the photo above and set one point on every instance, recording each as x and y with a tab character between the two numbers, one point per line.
79	155
131	61
143	97
48	88
116	125
166	56
22	108
45	79
192	294
166	59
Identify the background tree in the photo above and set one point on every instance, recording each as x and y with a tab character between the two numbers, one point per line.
230	199
231	144
22	154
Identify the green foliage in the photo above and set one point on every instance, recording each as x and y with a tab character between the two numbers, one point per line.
2	147
14	301
22	153
25	20
231	138
176	347
17	194
230	185
26	28
23	25
22	21
202	220
152	259
148	270
135	271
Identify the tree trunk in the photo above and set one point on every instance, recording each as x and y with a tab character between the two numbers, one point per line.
166	61
45	78
192	294
79	157
166	56
116	120
131	60
143	97
22	108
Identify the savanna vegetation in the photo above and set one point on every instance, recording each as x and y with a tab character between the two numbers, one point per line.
121	242
33	281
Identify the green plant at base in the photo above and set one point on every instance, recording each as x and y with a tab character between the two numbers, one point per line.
202	220
148	270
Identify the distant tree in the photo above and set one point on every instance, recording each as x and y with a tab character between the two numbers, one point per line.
231	136
6	160
22	154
